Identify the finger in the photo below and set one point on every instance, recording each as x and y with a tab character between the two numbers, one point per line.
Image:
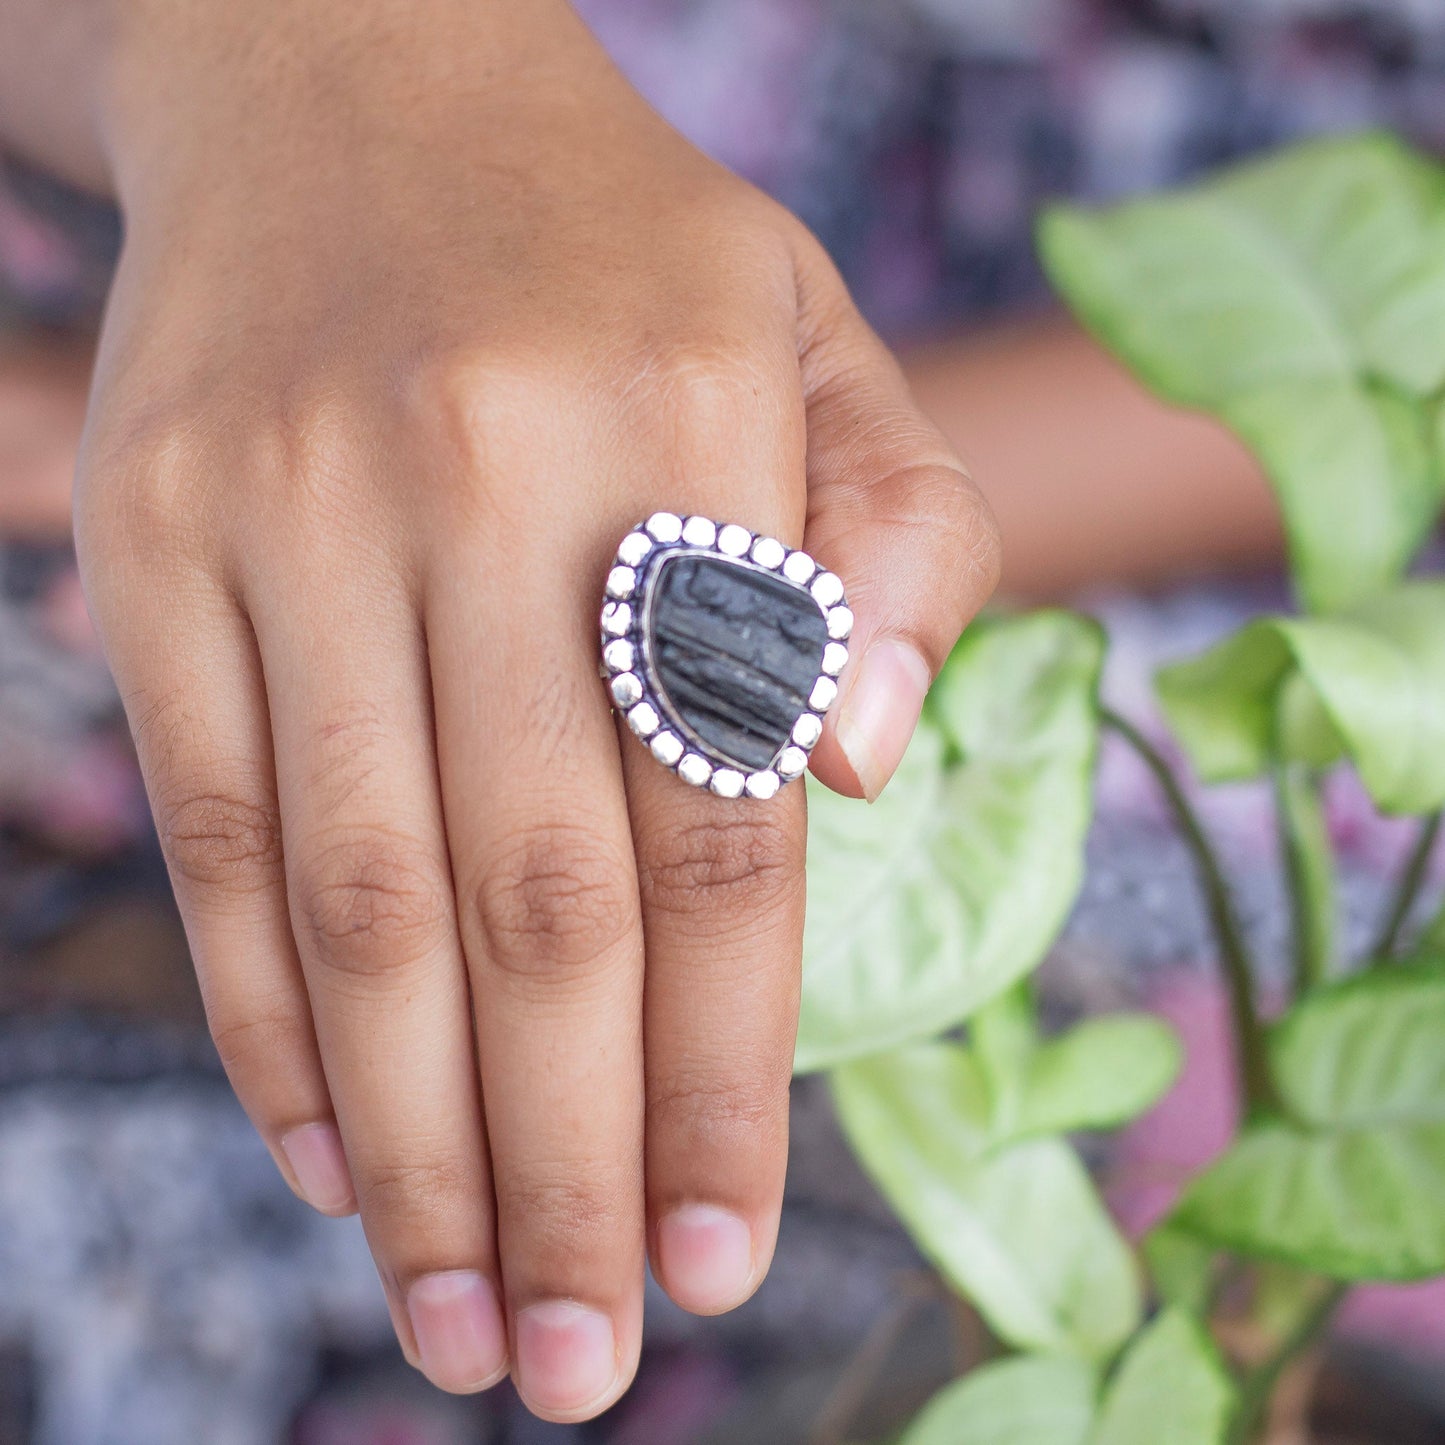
895	514
548	892
372	908
722	887
187	667
722	892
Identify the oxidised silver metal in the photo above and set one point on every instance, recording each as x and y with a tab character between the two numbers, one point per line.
627	663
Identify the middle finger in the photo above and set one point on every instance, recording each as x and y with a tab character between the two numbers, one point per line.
547	889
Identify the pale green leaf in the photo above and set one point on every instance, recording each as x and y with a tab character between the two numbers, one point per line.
1017	1228
1171	1385
1004	1037
1181	1266
1375	678
1028	1400
951	887
1301	299
1359	482
1099	1074
1351	1181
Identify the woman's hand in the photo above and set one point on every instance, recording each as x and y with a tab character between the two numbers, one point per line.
420	309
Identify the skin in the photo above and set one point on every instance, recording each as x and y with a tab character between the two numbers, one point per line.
1092	479
420	309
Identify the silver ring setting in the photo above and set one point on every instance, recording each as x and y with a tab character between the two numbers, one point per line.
722	649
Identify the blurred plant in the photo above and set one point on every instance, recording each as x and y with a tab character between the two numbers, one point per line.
1300	299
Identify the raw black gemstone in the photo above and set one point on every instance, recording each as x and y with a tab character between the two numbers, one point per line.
735	653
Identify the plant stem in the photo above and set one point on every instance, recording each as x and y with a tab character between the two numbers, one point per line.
1412	879
1259	1384
1256	1082
1309	869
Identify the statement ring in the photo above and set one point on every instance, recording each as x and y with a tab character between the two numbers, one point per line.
722	649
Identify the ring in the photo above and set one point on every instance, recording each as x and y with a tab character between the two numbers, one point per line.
722	650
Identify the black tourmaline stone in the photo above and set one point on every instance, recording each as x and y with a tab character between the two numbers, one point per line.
735	653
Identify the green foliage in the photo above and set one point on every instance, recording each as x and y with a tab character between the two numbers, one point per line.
1170	1385
1351	1181
1367	686
1027	1400
1182	1267
1100	1074
1017	1227
929	902
1301	299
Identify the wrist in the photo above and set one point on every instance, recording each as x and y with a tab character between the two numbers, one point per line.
205	91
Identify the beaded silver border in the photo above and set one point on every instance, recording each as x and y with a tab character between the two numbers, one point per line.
627	663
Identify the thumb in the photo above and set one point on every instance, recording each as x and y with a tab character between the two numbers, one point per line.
893	511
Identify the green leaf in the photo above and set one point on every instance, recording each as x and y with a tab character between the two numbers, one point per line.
1171	1385
1004	1035
1182	1267
1100	1074
951	887
1372	680
1351	1182
1028	1400
1097	1075
1301	299
1017	1228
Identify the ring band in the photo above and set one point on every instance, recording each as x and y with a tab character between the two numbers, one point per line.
722	649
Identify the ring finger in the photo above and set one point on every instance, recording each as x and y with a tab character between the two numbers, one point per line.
372	909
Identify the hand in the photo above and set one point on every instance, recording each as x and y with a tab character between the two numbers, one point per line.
420	309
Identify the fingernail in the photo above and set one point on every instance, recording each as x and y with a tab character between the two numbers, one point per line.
879	711
566	1356
461	1338
705	1257
318	1161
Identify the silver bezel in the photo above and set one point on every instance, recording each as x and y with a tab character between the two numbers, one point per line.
633	689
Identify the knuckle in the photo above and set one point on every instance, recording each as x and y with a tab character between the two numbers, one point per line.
942	502
480	409
472	399
142	486
558	900
948	495
418	1195
714	392
371	903
983	540
567	1215
217	839
307	457
724	866
246	1042
715	1115
154	449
